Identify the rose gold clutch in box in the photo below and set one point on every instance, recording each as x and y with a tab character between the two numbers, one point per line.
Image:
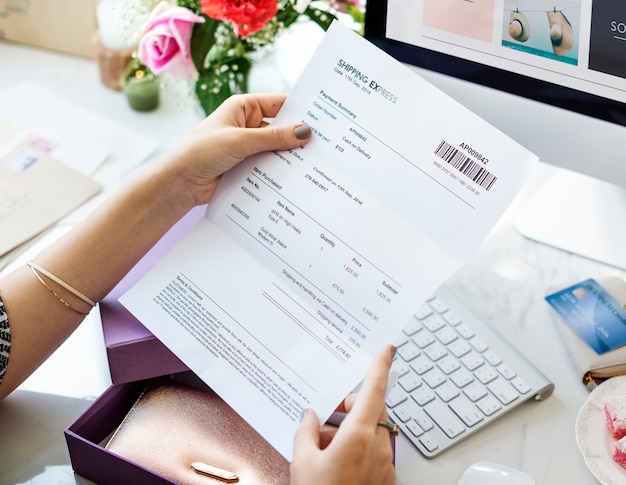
190	435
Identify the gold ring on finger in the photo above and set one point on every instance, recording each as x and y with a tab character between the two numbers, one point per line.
393	428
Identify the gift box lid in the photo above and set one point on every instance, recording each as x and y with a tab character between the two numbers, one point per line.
86	437
132	351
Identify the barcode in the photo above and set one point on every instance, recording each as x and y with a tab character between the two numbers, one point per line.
465	165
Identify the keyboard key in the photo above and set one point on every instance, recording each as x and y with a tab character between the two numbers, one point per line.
462	377
466	410
448	364
434	378
435	351
506	371
395	397
447	391
429	443
491	357
478	344
410	382
488	405
451	318
475	391
472	361
446	335
421	364
423	311
465	331
504	391
415	429
438	305
423	395
433	323
403	411
459	348
408	351
443	417
520	384
423	339
424	421
485	374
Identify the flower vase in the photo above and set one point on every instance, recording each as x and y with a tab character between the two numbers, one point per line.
111	63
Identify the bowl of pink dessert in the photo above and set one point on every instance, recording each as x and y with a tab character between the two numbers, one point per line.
600	425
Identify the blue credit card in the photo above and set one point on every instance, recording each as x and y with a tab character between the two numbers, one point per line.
592	313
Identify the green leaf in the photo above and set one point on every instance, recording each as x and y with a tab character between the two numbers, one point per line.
202	39
287	16
222	80
193	5
320	17
210	100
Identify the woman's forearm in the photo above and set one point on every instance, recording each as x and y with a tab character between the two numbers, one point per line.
107	244
94	256
91	258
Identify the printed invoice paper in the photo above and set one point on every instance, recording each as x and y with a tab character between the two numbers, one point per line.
309	260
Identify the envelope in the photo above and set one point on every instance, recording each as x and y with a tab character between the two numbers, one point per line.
35	192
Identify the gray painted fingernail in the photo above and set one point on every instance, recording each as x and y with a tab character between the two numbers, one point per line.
302	132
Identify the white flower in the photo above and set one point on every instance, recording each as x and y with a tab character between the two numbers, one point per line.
301	5
133	15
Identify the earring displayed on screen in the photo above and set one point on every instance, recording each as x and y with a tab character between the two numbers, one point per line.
519	27
561	32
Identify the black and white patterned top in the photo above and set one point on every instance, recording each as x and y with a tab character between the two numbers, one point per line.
5	340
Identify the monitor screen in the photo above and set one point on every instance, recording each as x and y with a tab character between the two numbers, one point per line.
573	56
551	76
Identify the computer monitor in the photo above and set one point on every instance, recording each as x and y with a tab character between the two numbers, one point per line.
552	77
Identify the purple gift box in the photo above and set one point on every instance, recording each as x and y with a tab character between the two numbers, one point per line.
132	351
134	356
87	436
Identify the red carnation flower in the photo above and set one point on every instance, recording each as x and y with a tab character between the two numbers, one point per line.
247	16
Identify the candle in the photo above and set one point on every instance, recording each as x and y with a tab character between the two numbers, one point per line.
142	90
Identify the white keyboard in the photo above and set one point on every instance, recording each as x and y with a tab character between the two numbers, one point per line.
455	376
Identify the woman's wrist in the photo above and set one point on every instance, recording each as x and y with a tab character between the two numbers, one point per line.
109	242
166	191
184	180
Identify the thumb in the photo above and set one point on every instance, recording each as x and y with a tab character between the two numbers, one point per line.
307	436
274	137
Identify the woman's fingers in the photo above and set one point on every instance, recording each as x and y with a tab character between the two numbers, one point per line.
359	451
249	115
307	437
368	405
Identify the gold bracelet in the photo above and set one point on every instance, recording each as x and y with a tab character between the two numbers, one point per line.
37	269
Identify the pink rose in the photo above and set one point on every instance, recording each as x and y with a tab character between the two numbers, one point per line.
247	16
164	45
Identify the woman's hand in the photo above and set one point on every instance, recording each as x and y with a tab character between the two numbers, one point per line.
99	251
236	130
360	451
